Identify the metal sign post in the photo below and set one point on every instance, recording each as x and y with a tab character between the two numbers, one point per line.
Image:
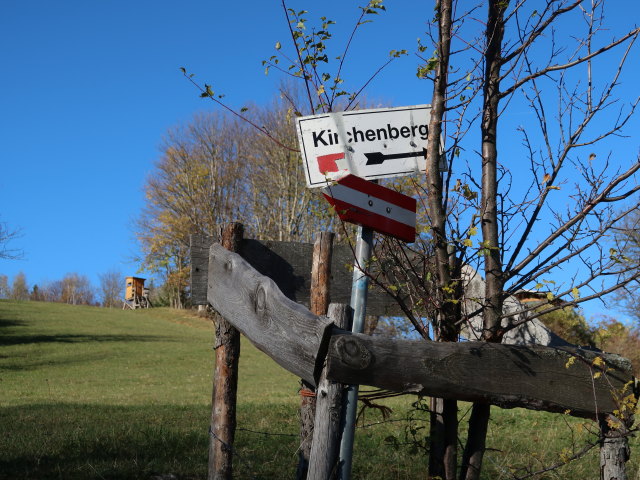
364	245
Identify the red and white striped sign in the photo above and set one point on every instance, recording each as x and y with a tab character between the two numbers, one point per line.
365	203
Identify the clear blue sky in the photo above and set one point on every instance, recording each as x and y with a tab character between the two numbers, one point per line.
88	88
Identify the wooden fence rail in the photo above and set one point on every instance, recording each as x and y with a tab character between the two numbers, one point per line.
533	377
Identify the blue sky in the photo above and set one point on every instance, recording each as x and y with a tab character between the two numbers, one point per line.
88	88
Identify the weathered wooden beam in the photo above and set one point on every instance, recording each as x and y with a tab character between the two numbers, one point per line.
199	248
289	265
533	377
280	327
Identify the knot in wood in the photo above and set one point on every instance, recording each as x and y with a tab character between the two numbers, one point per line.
353	353
260	301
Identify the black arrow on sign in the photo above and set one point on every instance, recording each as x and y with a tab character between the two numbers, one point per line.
376	158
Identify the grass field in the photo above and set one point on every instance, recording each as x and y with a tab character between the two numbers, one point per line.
91	393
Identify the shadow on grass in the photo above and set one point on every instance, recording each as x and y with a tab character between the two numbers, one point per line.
6	340
8	323
55	441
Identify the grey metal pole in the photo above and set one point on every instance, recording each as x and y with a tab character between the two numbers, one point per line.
364	244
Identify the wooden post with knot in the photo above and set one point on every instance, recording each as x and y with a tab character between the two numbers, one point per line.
319	303
225	381
325	447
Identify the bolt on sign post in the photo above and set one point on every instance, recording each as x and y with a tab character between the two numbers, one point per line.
341	152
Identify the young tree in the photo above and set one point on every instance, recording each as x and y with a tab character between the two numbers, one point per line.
525	237
197	185
4	286
282	208
111	286
36	295
214	171
19	287
52	291
76	290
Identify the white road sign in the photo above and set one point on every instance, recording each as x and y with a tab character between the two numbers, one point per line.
375	143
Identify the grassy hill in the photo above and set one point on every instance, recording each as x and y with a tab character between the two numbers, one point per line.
92	393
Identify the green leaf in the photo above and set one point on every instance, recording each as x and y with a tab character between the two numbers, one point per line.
278	46
183	70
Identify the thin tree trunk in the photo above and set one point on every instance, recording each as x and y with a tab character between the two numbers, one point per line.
319	303
494	281
225	382
444	419
443	454
476	441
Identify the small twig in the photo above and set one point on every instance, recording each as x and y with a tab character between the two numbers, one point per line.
242	117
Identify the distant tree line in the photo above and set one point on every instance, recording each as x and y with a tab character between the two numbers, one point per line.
73	289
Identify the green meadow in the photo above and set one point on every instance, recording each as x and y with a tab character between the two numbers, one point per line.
94	393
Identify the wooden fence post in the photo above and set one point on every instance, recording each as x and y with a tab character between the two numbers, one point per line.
225	381
325	447
319	303
614	449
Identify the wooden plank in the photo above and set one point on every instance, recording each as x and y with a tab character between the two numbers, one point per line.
288	264
533	377
199	250
283	329
326	430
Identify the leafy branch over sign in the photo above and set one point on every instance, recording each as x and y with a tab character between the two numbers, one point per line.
310	45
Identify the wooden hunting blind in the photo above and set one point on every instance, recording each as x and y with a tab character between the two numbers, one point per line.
136	295
135	287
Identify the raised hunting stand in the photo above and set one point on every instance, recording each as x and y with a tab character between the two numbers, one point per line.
136	295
